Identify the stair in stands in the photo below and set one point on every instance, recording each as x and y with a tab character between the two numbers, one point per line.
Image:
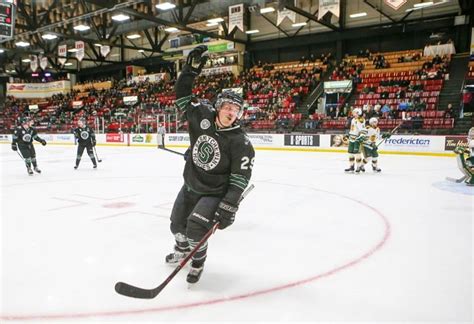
450	94
303	108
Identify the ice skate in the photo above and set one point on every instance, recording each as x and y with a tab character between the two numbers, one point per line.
194	275
37	170
177	256
376	169
30	172
349	169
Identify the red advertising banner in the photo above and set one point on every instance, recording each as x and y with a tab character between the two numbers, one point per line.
114	138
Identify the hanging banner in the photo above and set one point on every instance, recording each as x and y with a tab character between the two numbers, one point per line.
328	6
395	4
43	62
62	52
236	17
285	13
80	50
104	50
33	62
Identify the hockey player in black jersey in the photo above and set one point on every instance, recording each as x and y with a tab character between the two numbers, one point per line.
22	140
86	140
217	170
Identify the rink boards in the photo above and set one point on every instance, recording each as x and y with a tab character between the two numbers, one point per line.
397	144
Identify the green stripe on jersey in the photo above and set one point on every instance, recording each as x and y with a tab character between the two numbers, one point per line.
182	102
238	180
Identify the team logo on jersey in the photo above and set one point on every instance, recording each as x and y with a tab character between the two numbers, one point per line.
84	135
26	138
206	152
205	124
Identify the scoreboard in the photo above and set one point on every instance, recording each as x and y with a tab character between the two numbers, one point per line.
7	19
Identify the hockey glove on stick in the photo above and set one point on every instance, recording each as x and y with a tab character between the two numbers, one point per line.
43	142
225	214
14	147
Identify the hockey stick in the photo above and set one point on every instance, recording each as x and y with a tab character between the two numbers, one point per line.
175	152
456	180
20	155
131	291
391	133
96	156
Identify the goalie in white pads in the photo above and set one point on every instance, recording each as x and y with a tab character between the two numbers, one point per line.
465	158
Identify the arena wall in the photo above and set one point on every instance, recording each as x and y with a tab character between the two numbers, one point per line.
397	144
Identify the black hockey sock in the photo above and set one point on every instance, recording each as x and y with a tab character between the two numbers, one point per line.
200	256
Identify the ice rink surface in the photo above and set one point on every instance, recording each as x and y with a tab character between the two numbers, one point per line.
310	243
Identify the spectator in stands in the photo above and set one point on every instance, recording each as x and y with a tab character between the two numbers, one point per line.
393	114
417	121
400	94
420	105
385	110
403	105
449	113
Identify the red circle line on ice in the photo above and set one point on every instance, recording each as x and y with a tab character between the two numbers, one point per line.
351	263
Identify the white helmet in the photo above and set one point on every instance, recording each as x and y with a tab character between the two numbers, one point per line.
470	134
358	111
373	121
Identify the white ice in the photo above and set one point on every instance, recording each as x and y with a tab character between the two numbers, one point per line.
310	243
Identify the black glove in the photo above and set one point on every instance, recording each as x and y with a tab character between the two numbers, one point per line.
14	147
197	58
386	135
93	142
43	142
225	214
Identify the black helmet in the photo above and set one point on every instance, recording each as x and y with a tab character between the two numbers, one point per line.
231	97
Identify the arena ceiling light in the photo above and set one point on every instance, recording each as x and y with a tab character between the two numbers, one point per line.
301	24
120	17
212	24
2	50
98	45
423	4
27	60
72	50
253	31
133	36
22	44
358	15
165	5
49	36
267	10
172	30
81	27
215	20
68	64
141	51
